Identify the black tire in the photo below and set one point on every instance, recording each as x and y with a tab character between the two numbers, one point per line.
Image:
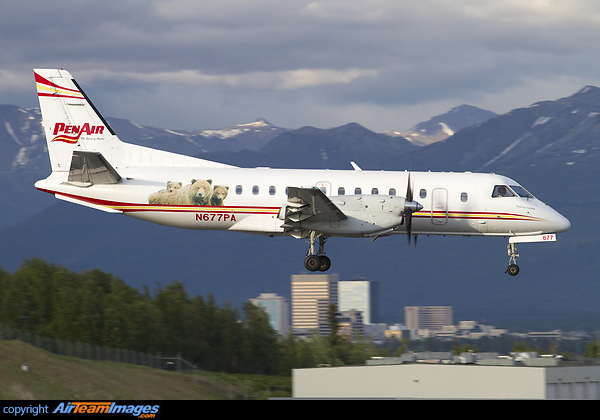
325	263
513	269
312	263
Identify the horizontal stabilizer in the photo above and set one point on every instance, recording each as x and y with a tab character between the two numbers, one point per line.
89	168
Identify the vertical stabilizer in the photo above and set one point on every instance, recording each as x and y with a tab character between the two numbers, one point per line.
71	122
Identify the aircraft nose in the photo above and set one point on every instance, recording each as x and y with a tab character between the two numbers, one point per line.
561	223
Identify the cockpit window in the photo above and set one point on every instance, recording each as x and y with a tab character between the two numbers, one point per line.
521	192
502	191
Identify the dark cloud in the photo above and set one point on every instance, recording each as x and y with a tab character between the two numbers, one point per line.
384	63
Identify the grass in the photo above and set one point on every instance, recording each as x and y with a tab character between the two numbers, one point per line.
52	377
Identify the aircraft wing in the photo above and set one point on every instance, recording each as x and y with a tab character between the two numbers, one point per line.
309	203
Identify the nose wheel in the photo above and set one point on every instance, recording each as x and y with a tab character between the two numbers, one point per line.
317	260
513	268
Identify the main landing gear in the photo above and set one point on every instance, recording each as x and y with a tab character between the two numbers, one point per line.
317	260
513	268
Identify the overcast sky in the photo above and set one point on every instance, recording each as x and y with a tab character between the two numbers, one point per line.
385	64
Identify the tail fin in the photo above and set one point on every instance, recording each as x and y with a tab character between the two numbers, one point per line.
70	120
72	123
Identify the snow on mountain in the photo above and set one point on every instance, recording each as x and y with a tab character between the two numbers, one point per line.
445	125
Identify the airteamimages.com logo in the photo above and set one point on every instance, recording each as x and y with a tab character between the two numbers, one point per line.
142	411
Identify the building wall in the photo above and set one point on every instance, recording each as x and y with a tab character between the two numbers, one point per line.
278	310
443	382
361	295
427	317
579	383
311	296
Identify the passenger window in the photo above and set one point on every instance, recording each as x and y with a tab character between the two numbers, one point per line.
357	191
423	193
502	191
255	190
464	197
341	191
375	191
392	191
238	189
272	190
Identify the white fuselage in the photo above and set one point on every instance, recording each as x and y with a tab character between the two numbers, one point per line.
93	167
453	203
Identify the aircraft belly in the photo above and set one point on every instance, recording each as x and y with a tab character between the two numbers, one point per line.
187	220
212	219
479	225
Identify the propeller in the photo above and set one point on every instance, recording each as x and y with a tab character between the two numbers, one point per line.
410	207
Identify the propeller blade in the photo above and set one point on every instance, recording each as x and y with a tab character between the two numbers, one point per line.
409	192
408	217
410	207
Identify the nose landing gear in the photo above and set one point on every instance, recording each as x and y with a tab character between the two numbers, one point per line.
317	260
513	268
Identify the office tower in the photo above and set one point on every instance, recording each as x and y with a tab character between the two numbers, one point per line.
362	295
278	309
311	296
351	323
427	317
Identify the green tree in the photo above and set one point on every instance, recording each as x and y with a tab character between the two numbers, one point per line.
206	314
65	306
592	349
320	350
262	348
93	287
173	304
305	357
229	333
26	294
361	350
289	351
334	324
520	346
124	310
199	339
465	348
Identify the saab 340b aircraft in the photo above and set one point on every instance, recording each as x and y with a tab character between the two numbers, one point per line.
92	167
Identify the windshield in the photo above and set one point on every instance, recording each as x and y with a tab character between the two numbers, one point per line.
502	191
521	192
512	191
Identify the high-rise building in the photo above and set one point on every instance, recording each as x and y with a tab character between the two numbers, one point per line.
311	296
362	295
432	318
351	323
278	309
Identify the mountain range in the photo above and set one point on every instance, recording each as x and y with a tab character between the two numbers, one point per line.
550	147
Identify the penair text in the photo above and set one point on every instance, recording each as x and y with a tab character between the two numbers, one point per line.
62	128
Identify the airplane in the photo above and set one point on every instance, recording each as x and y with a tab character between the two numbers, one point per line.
92	167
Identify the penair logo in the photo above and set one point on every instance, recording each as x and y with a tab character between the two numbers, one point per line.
71	133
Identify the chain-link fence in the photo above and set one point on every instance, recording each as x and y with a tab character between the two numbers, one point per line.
98	353
95	352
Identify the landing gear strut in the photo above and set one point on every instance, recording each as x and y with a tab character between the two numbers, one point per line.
317	260
513	268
